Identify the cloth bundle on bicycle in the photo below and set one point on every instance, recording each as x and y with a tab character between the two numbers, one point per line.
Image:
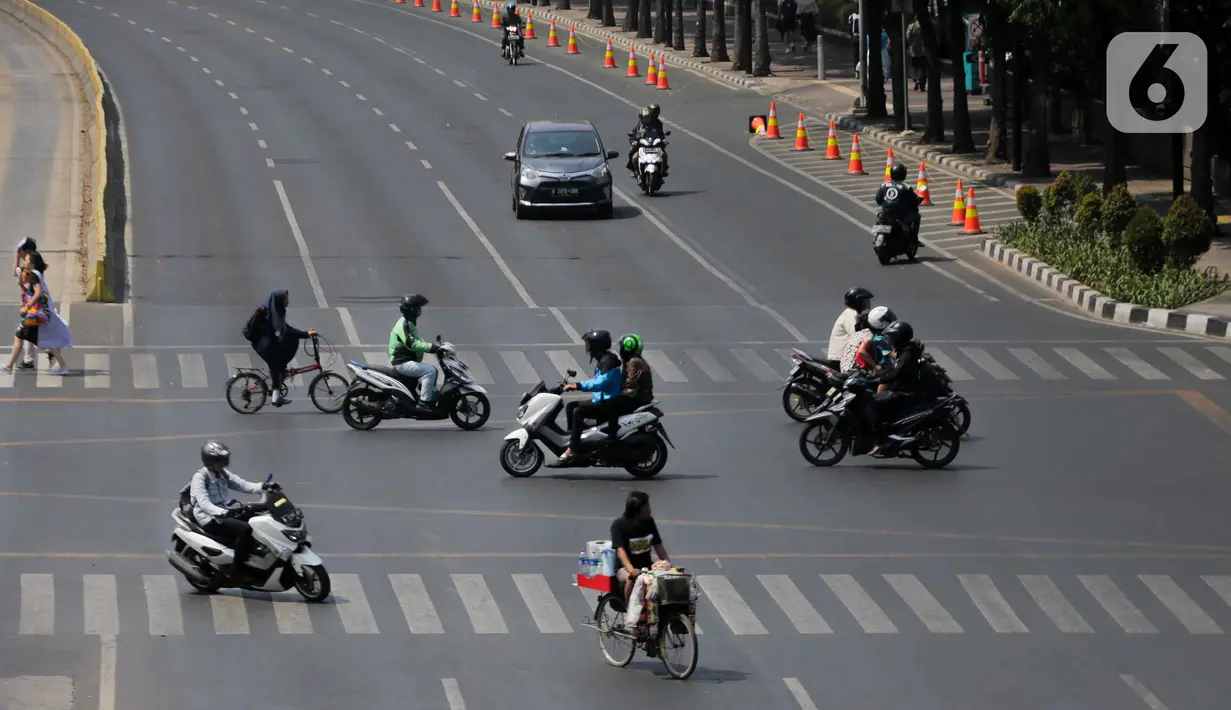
663	585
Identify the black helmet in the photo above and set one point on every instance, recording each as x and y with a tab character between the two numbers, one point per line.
898	333
654	110
646	116
597	342
412	306
855	298
215	453
898	172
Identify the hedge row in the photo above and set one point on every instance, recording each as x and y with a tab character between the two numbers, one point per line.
1123	250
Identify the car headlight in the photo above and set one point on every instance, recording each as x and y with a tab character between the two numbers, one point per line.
600	172
529	175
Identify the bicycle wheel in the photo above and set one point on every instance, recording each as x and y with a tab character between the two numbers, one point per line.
617	649
678	635
247	392
327	391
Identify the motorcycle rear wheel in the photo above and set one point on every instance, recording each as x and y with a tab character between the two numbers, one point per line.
355	419
814	435
651	465
801	406
520	462
942	435
882	255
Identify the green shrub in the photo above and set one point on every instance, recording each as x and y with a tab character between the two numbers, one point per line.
1029	202
1061	195
1143	240
1089	212
1118	210
1187	232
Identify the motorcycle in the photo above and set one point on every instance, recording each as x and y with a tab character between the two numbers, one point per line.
281	557
513	49
640	446
379	393
810	386
846	426
649	162
890	238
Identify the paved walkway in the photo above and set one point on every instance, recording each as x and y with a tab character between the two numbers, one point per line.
41	117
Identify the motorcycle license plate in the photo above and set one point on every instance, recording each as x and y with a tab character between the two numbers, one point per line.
879	241
564	191
882	229
831	391
652	151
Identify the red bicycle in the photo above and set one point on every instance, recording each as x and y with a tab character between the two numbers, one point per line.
249	388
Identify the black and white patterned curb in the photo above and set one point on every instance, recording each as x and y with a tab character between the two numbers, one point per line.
1096	303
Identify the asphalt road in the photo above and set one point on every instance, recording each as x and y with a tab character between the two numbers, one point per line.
1074	556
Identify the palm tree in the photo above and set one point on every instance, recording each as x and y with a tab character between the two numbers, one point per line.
897	72
760	25
874	71
718	48
698	40
645	26
934	128
660	23
596	9
609	13
743	38
677	33
630	17
963	141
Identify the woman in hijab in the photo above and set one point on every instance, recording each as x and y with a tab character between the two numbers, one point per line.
54	334
279	341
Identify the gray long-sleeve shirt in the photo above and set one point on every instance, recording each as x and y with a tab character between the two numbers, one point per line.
209	493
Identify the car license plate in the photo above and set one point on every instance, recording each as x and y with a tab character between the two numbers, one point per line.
882	229
564	191
879	241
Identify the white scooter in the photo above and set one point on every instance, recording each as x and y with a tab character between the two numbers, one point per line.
281	556
640	446
649	163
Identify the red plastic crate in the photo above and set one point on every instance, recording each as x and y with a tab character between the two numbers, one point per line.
599	583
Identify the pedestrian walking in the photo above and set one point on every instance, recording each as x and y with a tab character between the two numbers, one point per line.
918	54
788	21
25	246
807	23
38	322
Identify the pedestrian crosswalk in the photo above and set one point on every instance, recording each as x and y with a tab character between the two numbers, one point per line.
675	368
752	605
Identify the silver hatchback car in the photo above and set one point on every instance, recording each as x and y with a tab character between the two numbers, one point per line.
560	164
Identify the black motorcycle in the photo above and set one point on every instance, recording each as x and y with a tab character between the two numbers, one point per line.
925	433
810	386
890	238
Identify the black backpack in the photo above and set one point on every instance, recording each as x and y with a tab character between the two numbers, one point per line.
255	326
934	380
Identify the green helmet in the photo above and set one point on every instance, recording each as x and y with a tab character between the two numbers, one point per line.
630	345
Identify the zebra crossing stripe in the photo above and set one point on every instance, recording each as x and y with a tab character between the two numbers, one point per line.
730	605
761	369
38	605
520	367
861	606
662	367
544	609
480	605
1116	604
1190	363
709	364
230	615
794	604
102	609
44	378
925	606
192	370
991	604
1221	586
162	601
1052	602
993	367
145	371
292	616
1082	362
238	361
296	380
478	370
1179	603
1142	368
1037	364
97	370
956	372
564	361
416	605
352	605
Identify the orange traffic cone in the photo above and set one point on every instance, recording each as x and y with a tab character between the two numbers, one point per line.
495	16
758	126
662	74
572	40
632	63
453	11
972	215
772	131
856	165
552	39
889	163
959	207
436	6
609	57
476	15
921	186
399	2
530	26
651	74
801	134
831	144
419	3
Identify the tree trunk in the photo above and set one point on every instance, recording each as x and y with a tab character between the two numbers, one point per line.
609	13
677	34
1113	157
595	10
698	40
760	55
660	23
897	72
631	16
875	70
743	39
669	19
934	128
543	3
1202	176
718	46
645	24
963	141
564	4
998	36
1055	113
1037	161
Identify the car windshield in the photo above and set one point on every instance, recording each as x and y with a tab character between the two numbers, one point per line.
561	144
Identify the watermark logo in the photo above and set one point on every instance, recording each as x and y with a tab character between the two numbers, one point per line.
1157	82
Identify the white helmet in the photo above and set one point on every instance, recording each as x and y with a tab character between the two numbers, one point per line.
880	318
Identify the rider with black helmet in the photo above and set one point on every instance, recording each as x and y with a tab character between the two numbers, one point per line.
901	377
211	501
606	384
857	300
647	124
510	18
899	201
406	348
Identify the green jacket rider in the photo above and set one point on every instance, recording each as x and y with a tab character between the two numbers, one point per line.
406	348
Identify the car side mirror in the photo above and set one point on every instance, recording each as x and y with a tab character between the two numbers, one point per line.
510	157
612	154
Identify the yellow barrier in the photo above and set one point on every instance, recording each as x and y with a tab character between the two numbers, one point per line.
93	215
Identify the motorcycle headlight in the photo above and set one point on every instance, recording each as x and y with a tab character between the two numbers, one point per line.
296	535
528	175
600	172
521	411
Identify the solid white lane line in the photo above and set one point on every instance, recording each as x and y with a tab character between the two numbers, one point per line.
491	250
107	659
348	325
303	245
569	330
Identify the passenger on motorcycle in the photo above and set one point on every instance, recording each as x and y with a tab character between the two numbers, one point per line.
510	18
211	502
901	377
857	300
647	125
875	353
638	388
406	348
900	202
606	385
859	342
633	535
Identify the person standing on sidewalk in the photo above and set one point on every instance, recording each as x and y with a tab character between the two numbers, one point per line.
918	55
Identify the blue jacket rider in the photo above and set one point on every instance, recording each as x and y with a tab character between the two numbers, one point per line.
606	384
510	18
